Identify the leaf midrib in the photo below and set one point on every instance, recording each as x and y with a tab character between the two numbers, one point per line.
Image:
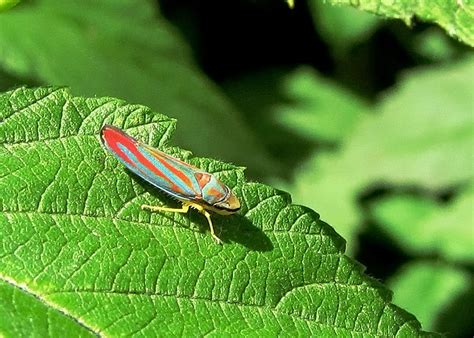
24	289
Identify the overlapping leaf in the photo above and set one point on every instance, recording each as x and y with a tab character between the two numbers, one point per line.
455	16
79	254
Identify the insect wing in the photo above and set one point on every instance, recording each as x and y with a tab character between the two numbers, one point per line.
165	172
196	184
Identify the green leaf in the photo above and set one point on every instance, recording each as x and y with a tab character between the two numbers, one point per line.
455	16
422	136
422	226
318	108
299	111
125	49
432	44
427	289
75	239
7	4
342	27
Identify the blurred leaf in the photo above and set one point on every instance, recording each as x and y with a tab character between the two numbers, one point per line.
324	184
423	136
125	49
427	289
423	226
433	44
424	132
319	109
455	16
342	27
298	111
75	238
7	4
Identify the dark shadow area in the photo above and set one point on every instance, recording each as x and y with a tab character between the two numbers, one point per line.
385	58
378	191
247	46
9	81
233	38
379	253
238	229
457	319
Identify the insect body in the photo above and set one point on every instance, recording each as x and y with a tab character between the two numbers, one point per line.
193	187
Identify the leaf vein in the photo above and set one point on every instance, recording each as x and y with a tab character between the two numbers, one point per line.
24	289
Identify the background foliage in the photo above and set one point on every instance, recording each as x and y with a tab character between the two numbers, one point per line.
367	119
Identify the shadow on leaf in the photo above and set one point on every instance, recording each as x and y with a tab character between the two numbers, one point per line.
239	229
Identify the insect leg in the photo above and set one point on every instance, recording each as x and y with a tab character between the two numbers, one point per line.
213	234
208	216
184	209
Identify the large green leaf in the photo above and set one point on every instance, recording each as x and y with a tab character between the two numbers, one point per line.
75	242
125	49
455	16
422	136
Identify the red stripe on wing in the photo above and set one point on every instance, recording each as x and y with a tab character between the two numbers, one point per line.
163	160
113	137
